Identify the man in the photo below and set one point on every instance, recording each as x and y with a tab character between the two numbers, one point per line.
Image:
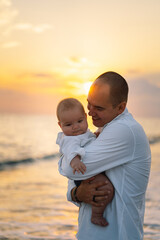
122	151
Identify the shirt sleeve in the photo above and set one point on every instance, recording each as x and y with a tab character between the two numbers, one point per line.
114	147
71	185
71	147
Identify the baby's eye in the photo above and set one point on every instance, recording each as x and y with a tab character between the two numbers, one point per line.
68	125
80	121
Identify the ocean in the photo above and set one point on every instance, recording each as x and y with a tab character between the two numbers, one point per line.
33	202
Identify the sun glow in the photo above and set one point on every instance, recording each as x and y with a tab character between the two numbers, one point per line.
86	87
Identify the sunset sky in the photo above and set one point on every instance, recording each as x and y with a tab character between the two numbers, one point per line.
51	49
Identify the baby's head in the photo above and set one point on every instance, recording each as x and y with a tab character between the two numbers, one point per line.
72	117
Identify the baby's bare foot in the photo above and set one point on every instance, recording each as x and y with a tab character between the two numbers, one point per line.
99	221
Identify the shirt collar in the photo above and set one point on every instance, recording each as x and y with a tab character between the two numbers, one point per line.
118	117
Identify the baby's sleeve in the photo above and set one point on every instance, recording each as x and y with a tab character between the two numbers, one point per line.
71	148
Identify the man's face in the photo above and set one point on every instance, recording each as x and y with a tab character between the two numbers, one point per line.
99	105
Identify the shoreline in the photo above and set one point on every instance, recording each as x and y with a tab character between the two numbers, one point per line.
34	205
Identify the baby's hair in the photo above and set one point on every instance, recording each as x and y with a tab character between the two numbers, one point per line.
67	104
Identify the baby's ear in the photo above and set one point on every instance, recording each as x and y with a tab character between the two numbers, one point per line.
59	123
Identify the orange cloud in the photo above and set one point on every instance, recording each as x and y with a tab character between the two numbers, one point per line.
40	28
11	44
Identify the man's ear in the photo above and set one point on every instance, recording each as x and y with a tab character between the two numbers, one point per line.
121	107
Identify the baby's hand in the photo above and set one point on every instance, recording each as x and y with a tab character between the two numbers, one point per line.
77	165
98	131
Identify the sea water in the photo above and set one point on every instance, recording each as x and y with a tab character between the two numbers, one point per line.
33	201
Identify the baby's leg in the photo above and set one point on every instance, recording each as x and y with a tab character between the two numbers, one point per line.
97	212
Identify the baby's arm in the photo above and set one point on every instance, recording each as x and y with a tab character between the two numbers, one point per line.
77	165
76	162
72	148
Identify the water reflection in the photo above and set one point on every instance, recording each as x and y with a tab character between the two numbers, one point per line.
33	204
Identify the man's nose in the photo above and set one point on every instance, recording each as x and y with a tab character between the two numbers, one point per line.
91	112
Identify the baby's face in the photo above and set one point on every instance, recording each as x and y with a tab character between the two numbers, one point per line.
73	122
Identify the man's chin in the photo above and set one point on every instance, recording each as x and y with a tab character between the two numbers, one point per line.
97	122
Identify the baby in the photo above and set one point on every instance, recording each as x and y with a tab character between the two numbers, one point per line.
75	134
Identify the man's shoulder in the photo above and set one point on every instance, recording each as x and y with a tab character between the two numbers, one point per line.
121	131
125	122
126	130
121	125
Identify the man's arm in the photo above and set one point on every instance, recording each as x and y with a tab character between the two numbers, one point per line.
112	148
86	191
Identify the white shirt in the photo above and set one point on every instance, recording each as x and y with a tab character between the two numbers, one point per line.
123	151
70	146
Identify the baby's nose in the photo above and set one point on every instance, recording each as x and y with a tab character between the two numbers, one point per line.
75	125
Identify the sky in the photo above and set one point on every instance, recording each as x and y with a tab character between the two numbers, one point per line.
52	49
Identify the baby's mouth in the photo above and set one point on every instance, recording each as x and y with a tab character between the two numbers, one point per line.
77	132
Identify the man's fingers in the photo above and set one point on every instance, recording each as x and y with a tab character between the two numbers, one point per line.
88	180
99	184
101	199
97	204
101	192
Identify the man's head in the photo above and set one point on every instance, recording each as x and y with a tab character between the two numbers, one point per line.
107	98
72	117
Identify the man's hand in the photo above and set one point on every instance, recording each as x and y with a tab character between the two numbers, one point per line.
101	191
77	165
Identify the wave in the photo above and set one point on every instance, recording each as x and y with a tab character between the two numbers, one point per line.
9	163
154	139
13	163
